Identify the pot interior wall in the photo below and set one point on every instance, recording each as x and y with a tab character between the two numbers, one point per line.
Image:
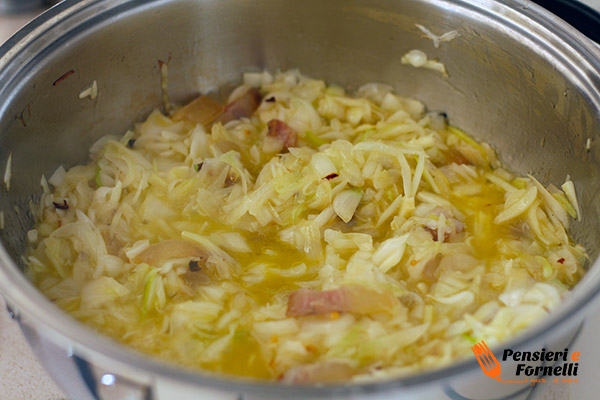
531	103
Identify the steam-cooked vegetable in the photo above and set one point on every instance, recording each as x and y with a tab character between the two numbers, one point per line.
202	110
312	237
418	59
169	249
91	91
444	37
8	172
345	204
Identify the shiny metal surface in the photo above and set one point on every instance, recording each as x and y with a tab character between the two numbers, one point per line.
520	79
14	6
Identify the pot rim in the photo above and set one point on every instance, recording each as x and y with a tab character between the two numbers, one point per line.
61	328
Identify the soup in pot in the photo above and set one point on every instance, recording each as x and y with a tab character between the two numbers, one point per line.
304	234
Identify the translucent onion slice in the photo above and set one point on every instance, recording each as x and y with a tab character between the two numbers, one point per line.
202	110
160	252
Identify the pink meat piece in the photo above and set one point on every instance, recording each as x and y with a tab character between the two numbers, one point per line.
242	107
283	132
351	298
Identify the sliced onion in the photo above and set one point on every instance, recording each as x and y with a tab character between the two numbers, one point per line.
202	110
345	204
169	249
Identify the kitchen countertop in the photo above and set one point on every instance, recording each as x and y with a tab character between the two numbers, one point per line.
23	378
21	375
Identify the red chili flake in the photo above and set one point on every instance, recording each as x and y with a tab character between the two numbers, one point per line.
561	260
331	176
63	77
198	167
63	206
270	99
311	348
59	223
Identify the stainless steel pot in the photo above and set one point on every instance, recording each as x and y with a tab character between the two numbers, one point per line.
520	79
